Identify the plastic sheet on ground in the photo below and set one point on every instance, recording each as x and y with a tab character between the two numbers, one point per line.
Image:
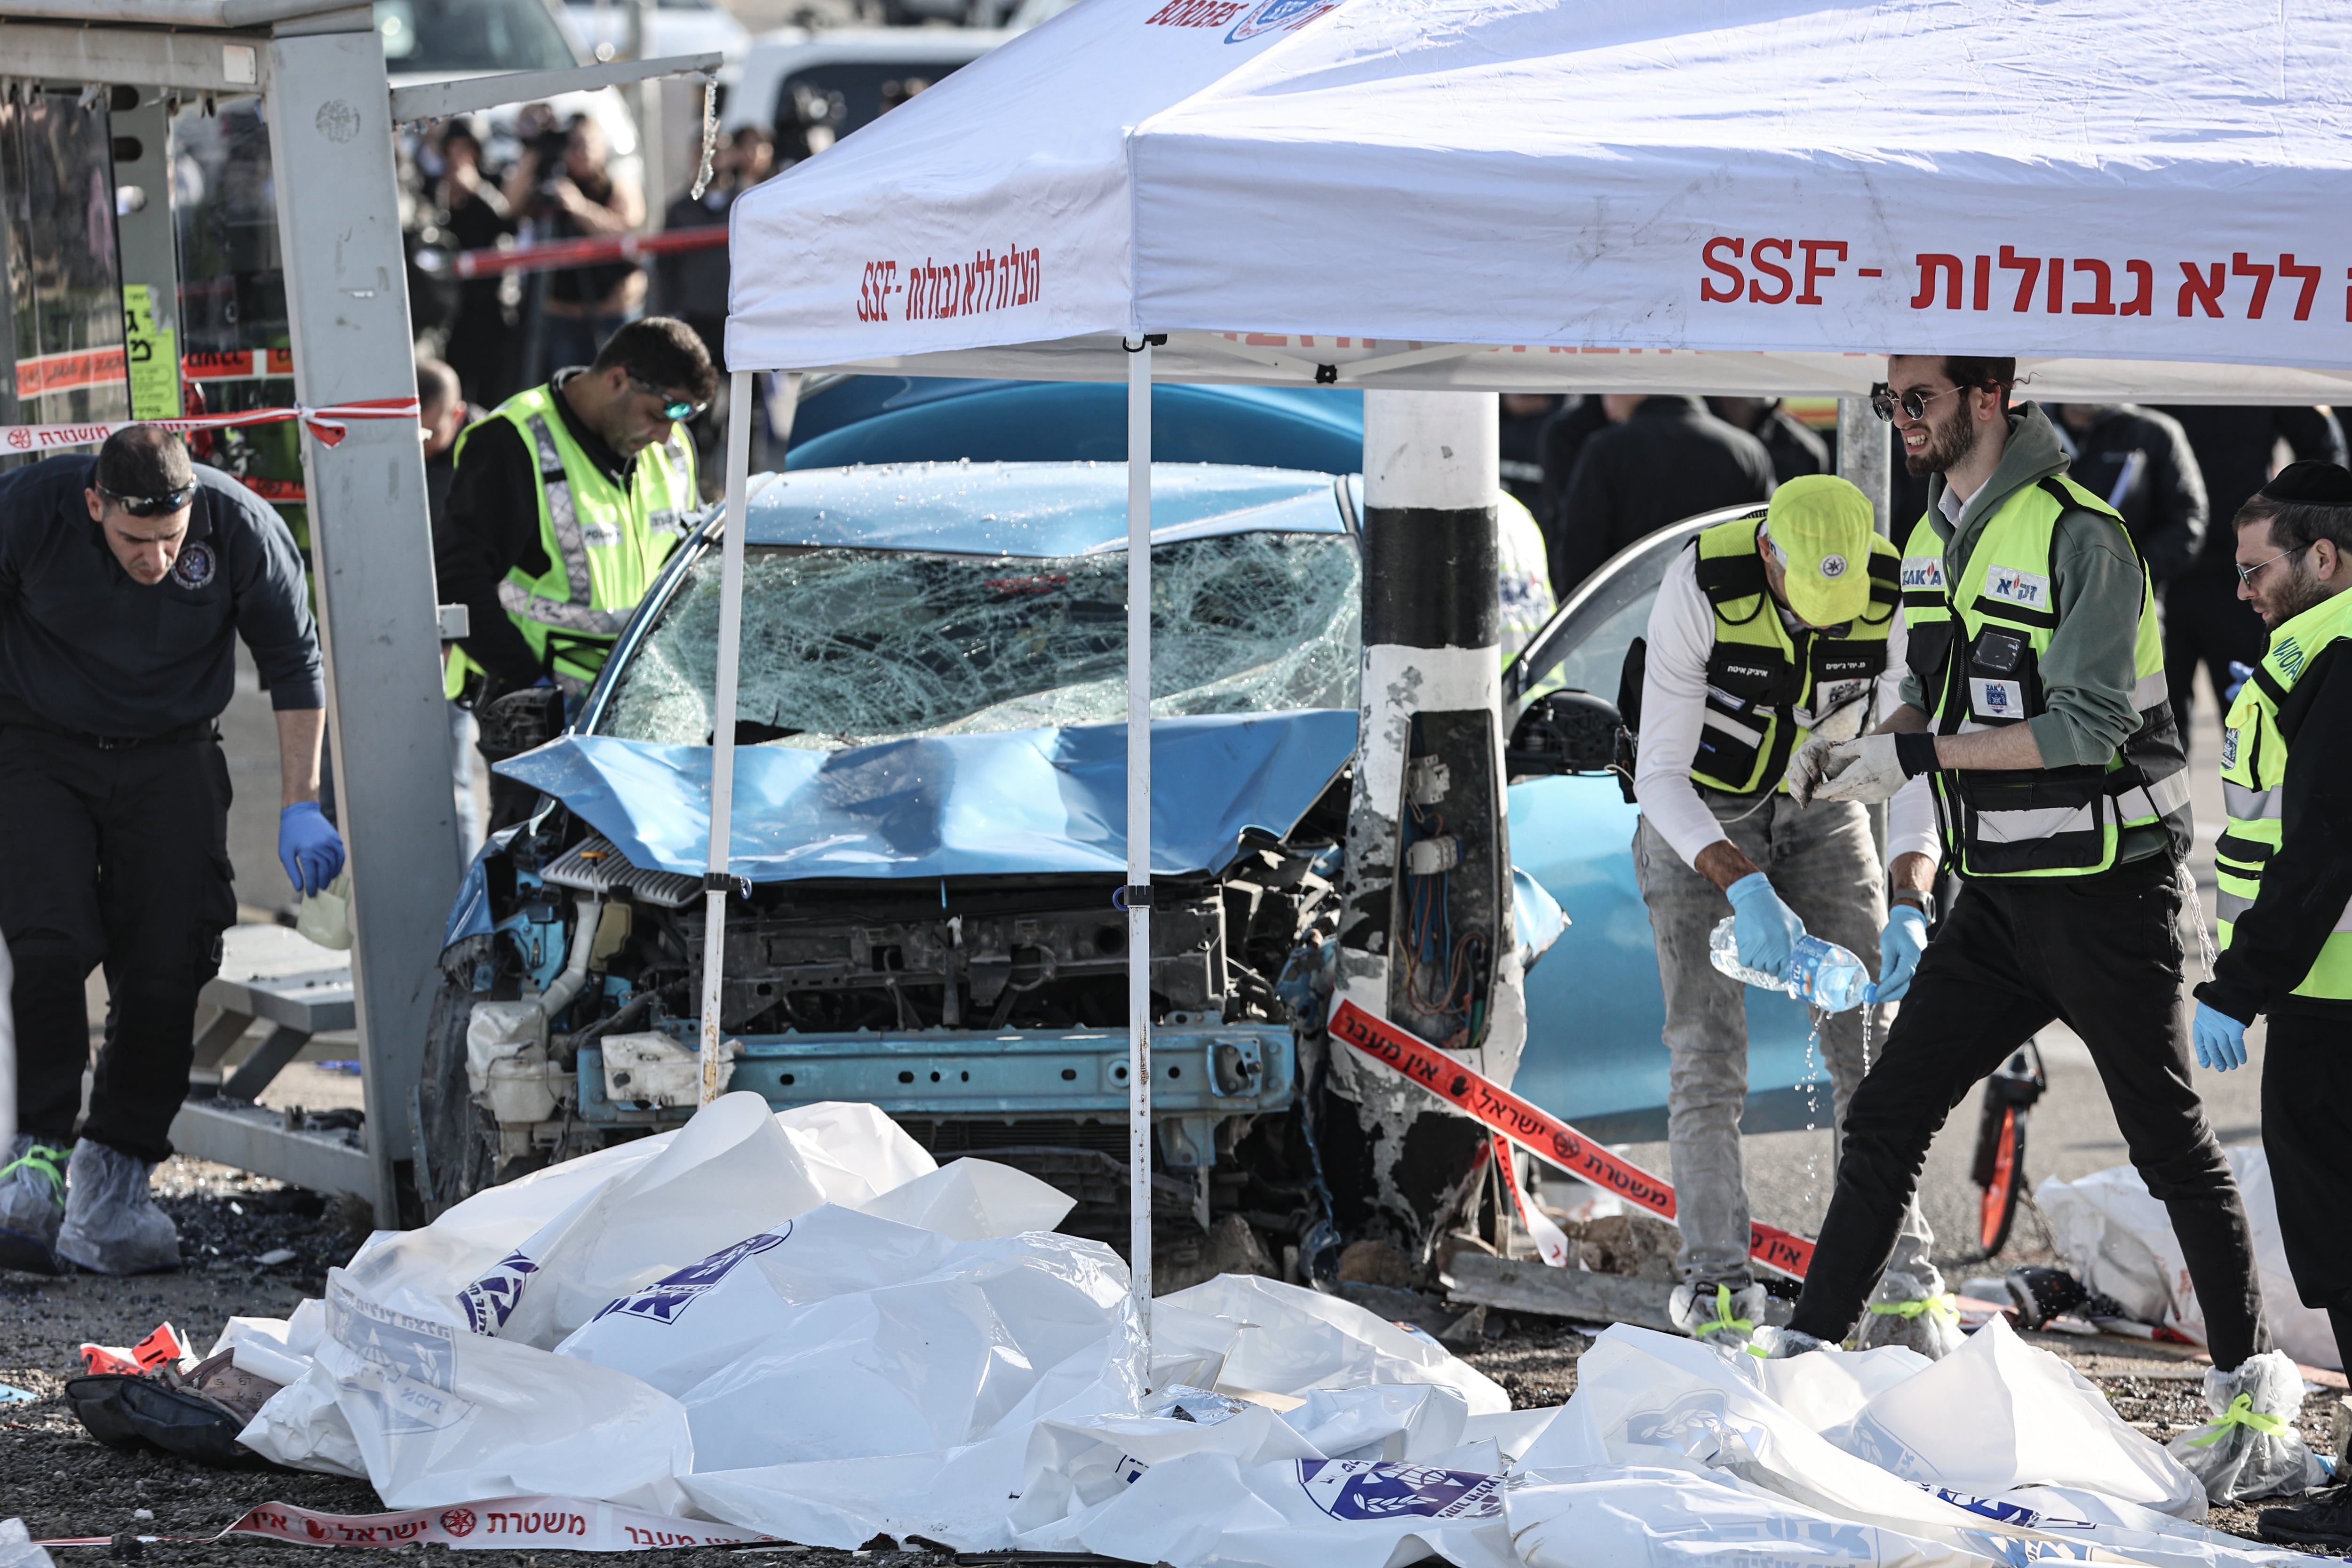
1344	1375
1293	1340
877	1346
2118	1240
16	1547
1673	1454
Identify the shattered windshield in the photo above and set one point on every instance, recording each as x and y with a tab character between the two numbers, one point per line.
845	647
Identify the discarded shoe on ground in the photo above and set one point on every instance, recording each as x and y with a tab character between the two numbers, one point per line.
2323	1519
112	1224
2250	1449
2119	1240
140	1411
32	1206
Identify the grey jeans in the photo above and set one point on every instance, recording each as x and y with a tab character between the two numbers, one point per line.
1823	864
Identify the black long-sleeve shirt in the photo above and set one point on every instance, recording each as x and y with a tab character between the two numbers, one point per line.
491	526
2305	885
2140	462
1670	460
2234	446
87	647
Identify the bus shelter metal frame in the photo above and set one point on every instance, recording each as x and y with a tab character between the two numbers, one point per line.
319	68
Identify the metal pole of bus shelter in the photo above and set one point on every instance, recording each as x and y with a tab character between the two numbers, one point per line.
1138	897
717	880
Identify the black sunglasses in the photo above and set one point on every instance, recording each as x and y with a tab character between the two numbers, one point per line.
1914	402
672	407
150	506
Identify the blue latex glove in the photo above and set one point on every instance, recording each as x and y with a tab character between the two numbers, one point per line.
2240	673
308	847
1901	940
1767	928
2220	1039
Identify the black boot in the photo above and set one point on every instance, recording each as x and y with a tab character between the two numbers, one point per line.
2322	1518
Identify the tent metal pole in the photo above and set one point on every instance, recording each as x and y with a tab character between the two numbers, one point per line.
1139	834
716	881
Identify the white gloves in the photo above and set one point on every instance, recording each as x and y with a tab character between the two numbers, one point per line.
1866	770
1807	768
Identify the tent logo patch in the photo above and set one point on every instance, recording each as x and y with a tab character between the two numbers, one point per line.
1278	15
1196	13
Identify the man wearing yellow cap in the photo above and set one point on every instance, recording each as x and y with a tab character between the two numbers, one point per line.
1770	629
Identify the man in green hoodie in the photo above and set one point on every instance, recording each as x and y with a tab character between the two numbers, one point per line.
2036	703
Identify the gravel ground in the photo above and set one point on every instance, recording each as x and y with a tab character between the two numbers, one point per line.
65	1484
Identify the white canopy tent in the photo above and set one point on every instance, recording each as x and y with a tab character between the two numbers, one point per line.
1548	195
1531	193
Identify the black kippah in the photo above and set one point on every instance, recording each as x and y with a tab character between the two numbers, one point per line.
2310	484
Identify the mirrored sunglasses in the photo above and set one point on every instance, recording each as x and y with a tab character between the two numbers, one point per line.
150	506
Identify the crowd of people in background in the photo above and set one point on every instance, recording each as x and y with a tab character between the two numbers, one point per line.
1603	472
501	333
1597	471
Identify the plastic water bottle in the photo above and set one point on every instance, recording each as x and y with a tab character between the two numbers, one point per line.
1821	973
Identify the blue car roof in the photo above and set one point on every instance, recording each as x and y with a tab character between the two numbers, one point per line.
1039	509
902	419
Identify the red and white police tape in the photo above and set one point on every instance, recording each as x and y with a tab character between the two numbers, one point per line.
1551	1242
588	250
494	1525
328	424
1540	1132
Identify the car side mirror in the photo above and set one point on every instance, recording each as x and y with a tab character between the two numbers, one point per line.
519	721
1564	732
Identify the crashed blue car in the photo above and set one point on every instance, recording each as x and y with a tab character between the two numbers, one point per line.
929	812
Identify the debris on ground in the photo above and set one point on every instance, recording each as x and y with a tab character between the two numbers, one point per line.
1306	1422
2118	1240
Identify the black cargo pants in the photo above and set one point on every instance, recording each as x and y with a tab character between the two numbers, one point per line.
2104	953
2308	1132
119	858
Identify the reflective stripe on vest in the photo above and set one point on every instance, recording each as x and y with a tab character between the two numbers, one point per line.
1977	638
574	613
605	544
1766	687
2253	775
2253	805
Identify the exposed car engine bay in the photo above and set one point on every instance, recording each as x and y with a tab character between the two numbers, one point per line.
985	1014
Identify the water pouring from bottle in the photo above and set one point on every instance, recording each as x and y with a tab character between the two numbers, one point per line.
1820	973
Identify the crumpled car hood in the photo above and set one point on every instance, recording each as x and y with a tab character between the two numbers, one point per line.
1021	802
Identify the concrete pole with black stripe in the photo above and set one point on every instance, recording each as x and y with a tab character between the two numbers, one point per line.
1425	933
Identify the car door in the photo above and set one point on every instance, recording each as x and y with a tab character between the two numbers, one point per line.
1596	1013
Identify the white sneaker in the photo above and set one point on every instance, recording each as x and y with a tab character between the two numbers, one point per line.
112	1224
1717	1314
32	1206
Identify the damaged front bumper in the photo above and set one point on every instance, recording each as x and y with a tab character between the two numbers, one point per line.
1204	1075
